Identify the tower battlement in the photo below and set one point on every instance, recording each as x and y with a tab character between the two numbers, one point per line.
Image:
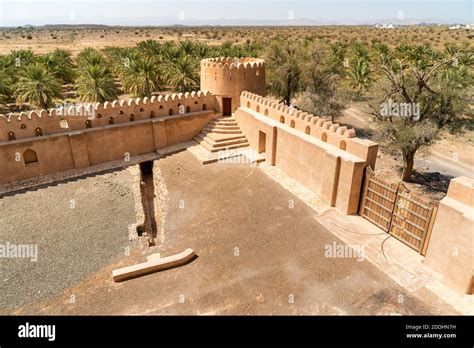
228	77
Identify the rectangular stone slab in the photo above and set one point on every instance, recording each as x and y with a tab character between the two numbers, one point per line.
152	265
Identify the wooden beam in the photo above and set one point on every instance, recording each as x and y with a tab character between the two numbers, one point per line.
152	265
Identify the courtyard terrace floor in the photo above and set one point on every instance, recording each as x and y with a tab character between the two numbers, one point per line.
260	250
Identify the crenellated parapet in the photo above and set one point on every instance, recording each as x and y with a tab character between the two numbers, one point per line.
229	77
321	128
90	115
229	63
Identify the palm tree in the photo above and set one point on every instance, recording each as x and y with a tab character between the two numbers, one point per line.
201	50
4	87
170	52
186	47
90	56
96	84
359	75
182	74
21	58
149	48
59	63
37	86
141	78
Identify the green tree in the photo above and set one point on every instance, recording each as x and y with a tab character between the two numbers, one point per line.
359	72
323	75
96	83
37	86
90	56
359	75
5	90
284	69
182	74
141	78
440	84
59	63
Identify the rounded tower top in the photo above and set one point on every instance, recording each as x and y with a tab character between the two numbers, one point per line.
229	77
233	63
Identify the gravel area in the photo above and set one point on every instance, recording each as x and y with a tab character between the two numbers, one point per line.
78	227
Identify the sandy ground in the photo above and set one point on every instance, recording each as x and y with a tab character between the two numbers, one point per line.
77	37
260	251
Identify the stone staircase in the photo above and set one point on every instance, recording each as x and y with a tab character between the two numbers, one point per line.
221	134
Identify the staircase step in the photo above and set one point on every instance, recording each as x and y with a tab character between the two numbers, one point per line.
223	142
222	127
220	134
230	147
222	131
217	137
224	122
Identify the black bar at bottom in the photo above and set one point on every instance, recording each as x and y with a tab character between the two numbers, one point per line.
192	330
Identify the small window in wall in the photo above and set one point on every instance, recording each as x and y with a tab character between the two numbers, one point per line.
111	120
88	124
292	124
188	109
196	102
324	137
131	117
258	108
161	107
282	119
38	132
152	114
204	106
307	130
265	112
30	157
342	145
99	115
11	136
121	112
23	126
170	112
248	105
142	109
64	124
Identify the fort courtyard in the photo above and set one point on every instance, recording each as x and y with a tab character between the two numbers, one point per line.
279	266
282	209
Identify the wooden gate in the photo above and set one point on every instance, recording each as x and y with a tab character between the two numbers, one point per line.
391	207
378	200
412	220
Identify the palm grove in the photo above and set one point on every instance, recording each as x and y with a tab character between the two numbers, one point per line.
317	77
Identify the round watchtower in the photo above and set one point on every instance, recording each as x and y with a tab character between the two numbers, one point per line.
227	78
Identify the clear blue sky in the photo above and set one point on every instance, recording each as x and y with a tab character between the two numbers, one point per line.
162	12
